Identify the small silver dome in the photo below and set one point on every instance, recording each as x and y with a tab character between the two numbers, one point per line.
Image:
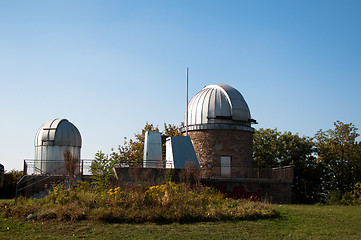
58	132
219	106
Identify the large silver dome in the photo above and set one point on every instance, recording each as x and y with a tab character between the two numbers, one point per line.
58	132
219	106
52	139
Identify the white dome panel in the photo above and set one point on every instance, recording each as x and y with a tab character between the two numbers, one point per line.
59	132
218	104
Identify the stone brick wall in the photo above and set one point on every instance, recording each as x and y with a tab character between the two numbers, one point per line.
211	145
270	190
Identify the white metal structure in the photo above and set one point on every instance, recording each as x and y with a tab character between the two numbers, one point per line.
180	152
52	139
219	106
152	157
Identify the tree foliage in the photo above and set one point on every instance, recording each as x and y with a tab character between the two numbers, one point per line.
265	147
340	153
330	161
132	151
102	170
275	149
170	130
129	154
11	178
272	148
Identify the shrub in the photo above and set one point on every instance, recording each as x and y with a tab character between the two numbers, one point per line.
102	171
10	180
334	197
353	197
169	202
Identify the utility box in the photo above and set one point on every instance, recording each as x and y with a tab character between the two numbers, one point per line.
180	152
152	157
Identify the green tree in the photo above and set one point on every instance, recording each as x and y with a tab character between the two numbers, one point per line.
339	151
131	152
299	152
265	147
102	170
272	148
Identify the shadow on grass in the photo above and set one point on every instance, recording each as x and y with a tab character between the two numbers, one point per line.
185	221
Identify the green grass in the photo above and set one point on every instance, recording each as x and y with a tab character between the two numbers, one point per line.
314	222
294	222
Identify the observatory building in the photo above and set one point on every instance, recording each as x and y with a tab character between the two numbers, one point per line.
219	125
52	139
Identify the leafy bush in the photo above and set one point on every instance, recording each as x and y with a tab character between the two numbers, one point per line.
334	197
353	197
102	170
169	202
10	180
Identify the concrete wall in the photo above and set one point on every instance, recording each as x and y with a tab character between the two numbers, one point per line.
273	190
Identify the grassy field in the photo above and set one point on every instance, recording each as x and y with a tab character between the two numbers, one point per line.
293	222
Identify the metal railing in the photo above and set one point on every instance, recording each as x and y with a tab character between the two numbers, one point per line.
47	169
22	179
37	167
219	171
253	172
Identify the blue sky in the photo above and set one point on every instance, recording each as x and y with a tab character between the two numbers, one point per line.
111	66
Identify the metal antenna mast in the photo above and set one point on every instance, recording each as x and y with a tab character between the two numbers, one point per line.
187	107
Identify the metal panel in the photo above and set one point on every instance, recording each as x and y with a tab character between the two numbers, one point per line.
169	154
224	106
218	103
219	126
52	139
152	157
199	107
180	152
239	108
211	106
50	159
205	109
58	132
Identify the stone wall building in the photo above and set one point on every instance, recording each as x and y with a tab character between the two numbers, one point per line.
219	125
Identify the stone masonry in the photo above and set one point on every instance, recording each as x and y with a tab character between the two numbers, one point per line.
211	145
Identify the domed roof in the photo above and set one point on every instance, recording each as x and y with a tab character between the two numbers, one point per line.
219	106
58	132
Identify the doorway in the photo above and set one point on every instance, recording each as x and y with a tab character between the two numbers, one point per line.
226	166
